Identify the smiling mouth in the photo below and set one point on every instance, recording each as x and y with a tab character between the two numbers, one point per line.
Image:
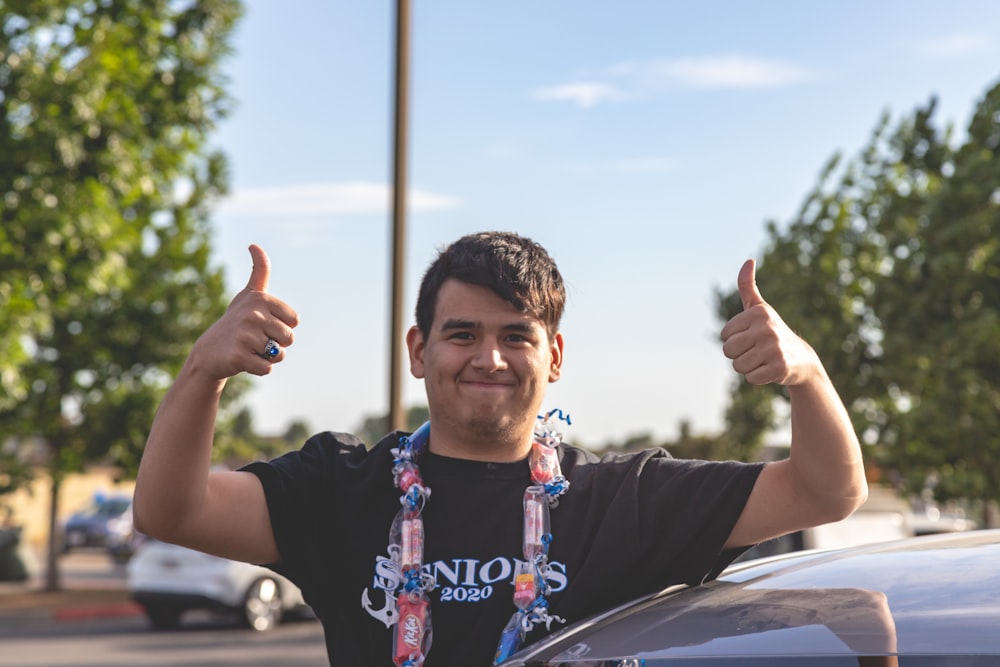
486	385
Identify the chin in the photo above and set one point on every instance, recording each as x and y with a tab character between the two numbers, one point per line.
493	427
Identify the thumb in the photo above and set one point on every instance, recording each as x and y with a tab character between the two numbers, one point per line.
261	272
746	283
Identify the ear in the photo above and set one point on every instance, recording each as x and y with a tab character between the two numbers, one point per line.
415	344
556	352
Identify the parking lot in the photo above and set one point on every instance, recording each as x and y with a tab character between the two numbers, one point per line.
92	622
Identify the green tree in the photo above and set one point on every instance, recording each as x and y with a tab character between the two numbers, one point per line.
892	272
237	441
106	183
296	433
374	427
691	446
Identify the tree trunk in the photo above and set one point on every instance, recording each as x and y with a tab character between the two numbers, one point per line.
991	514
52	579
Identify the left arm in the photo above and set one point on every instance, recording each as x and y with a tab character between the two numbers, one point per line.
823	479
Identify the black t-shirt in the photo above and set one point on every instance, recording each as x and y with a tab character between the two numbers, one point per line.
628	525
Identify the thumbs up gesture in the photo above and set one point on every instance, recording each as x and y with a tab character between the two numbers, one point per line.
763	348
238	341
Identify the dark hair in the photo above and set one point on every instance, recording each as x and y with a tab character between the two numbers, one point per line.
513	267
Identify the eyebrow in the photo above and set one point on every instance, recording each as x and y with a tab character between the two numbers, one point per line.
456	323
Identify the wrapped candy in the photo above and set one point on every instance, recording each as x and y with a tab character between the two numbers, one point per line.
511	638
406	475
536	521
412	639
412	555
407	535
544	462
526	585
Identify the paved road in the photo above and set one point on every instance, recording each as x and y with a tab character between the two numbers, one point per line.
42	637
129	641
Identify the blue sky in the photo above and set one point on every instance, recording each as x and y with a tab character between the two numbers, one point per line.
645	144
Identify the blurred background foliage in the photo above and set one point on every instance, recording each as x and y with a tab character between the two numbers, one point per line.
106	184
891	270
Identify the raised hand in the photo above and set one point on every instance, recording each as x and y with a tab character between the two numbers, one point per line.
236	342
763	348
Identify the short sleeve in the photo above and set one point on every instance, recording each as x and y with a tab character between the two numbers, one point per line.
663	520
688	509
296	485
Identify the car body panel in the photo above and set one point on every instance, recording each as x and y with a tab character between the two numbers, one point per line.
96	525
167	574
925	596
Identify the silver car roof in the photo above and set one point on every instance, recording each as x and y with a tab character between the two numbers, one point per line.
936	595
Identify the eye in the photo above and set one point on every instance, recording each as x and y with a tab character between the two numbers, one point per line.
460	335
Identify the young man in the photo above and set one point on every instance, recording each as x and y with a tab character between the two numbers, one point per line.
595	533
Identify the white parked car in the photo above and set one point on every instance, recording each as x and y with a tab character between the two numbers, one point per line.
168	580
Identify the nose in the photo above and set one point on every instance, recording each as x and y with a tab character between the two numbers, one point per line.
489	357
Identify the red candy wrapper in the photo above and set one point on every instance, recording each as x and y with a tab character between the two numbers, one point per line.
412	638
544	462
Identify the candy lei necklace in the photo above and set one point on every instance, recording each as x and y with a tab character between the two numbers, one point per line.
412	633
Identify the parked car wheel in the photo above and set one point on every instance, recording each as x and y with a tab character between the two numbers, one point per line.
163	617
262	609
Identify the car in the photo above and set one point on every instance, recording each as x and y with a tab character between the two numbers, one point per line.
167	580
124	539
928	601
929	518
98	524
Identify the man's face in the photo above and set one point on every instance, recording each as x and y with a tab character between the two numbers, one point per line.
485	365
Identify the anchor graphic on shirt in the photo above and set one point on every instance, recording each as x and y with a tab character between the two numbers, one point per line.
387	614
387	580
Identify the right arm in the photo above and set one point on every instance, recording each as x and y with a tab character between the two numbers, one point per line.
178	499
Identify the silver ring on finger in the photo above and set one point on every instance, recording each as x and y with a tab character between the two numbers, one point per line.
271	350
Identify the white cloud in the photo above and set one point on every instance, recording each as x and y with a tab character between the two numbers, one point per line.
732	71
584	94
328	198
633	80
957	45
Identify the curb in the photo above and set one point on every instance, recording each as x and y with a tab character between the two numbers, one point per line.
92	612
24	602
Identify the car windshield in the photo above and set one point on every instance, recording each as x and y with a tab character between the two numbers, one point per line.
108	508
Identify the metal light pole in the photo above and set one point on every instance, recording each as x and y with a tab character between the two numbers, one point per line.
397	417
